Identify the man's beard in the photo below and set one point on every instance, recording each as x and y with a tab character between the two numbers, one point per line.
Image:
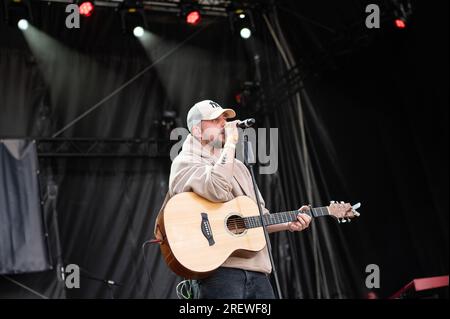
218	141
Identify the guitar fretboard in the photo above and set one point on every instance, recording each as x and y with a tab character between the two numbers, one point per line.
282	217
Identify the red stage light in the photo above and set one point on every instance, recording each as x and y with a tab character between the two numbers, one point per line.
86	8
399	23
193	17
238	97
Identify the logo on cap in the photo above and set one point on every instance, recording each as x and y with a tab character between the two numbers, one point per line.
213	104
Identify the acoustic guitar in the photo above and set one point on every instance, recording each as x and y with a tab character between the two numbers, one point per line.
197	235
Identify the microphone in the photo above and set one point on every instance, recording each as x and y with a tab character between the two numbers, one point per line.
246	123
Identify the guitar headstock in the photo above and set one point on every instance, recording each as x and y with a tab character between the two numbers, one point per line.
343	212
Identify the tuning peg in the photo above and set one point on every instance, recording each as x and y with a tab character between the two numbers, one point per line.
354	208
343	220
348	220
331	201
339	221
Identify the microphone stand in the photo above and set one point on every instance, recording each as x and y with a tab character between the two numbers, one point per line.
266	234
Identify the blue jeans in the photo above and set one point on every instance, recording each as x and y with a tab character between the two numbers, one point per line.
233	283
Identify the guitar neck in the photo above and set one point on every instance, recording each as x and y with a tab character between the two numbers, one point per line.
283	217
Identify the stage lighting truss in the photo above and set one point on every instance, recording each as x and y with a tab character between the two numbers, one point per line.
17	10
133	13
207	7
102	147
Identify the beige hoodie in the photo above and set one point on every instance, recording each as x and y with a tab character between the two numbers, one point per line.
196	169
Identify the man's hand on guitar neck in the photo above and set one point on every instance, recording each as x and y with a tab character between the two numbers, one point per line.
302	222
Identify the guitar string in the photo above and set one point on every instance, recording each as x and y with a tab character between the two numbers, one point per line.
240	222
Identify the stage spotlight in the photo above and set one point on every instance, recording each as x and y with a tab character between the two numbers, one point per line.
16	10
190	12
242	21
402	13
400	23
245	33
133	17
193	17
22	24
138	31
86	8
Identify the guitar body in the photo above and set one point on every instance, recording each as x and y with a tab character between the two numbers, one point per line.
199	235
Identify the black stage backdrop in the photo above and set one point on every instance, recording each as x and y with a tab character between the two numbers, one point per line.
375	124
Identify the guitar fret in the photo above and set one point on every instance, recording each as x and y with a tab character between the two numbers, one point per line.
292	216
316	212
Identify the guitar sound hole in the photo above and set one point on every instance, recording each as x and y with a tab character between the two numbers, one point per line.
235	224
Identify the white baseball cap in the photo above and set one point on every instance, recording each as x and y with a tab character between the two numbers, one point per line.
206	110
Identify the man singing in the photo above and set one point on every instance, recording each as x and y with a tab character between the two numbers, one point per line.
207	166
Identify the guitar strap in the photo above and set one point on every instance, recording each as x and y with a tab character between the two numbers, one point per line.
240	185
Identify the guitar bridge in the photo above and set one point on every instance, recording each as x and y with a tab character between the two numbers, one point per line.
206	229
